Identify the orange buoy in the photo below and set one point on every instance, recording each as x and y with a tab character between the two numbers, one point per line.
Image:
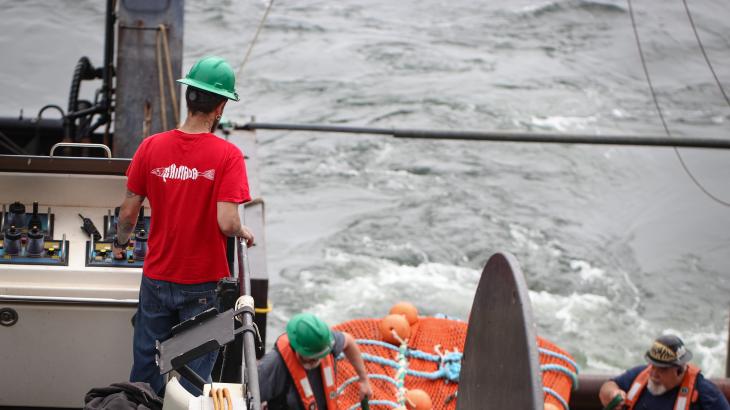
406	309
417	399
399	323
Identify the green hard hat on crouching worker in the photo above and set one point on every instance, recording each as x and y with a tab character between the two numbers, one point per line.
309	336
212	74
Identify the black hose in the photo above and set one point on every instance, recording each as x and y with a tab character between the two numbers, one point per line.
40	115
47	106
83	71
82	123
103	119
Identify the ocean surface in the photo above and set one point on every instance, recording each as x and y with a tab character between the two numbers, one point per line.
617	244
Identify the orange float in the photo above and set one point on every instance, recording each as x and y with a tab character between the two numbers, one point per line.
399	323
417	399
406	309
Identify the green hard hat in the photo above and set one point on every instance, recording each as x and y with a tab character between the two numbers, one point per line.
212	74
309	336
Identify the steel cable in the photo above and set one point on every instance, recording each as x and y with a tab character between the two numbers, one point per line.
661	114
704	53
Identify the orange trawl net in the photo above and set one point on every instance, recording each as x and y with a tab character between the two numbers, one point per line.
427	333
559	382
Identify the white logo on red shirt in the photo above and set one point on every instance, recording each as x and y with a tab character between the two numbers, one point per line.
182	173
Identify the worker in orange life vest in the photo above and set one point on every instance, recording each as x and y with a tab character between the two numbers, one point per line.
299	373
667	382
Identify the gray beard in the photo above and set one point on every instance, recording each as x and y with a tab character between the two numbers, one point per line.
655	389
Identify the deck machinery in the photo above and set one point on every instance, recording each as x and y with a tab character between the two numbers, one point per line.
65	305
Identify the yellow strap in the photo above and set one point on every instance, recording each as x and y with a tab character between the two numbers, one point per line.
269	307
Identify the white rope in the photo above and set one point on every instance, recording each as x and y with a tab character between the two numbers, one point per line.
170	78
160	80
162	46
255	38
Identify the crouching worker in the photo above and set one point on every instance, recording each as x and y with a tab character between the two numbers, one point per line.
299	373
667	382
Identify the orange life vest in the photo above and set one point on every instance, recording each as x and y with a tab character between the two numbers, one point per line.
299	375
686	396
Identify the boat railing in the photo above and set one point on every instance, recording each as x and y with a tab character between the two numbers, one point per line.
499	136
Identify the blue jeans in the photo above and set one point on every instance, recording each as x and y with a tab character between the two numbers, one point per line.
162	305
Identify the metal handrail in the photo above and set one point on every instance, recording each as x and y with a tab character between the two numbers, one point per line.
81	145
500	136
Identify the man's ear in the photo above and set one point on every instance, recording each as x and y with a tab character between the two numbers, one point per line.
221	106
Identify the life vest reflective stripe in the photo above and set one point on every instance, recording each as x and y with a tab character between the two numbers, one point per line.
299	375
637	387
687	393
686	396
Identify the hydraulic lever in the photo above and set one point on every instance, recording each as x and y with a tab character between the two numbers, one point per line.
89	228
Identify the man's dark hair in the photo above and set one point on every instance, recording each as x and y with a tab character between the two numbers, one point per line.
202	101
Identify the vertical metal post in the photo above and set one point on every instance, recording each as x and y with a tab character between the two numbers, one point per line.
253	217
108	68
727	357
249	371
137	69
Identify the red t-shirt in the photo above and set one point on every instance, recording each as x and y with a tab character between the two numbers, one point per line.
184	176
